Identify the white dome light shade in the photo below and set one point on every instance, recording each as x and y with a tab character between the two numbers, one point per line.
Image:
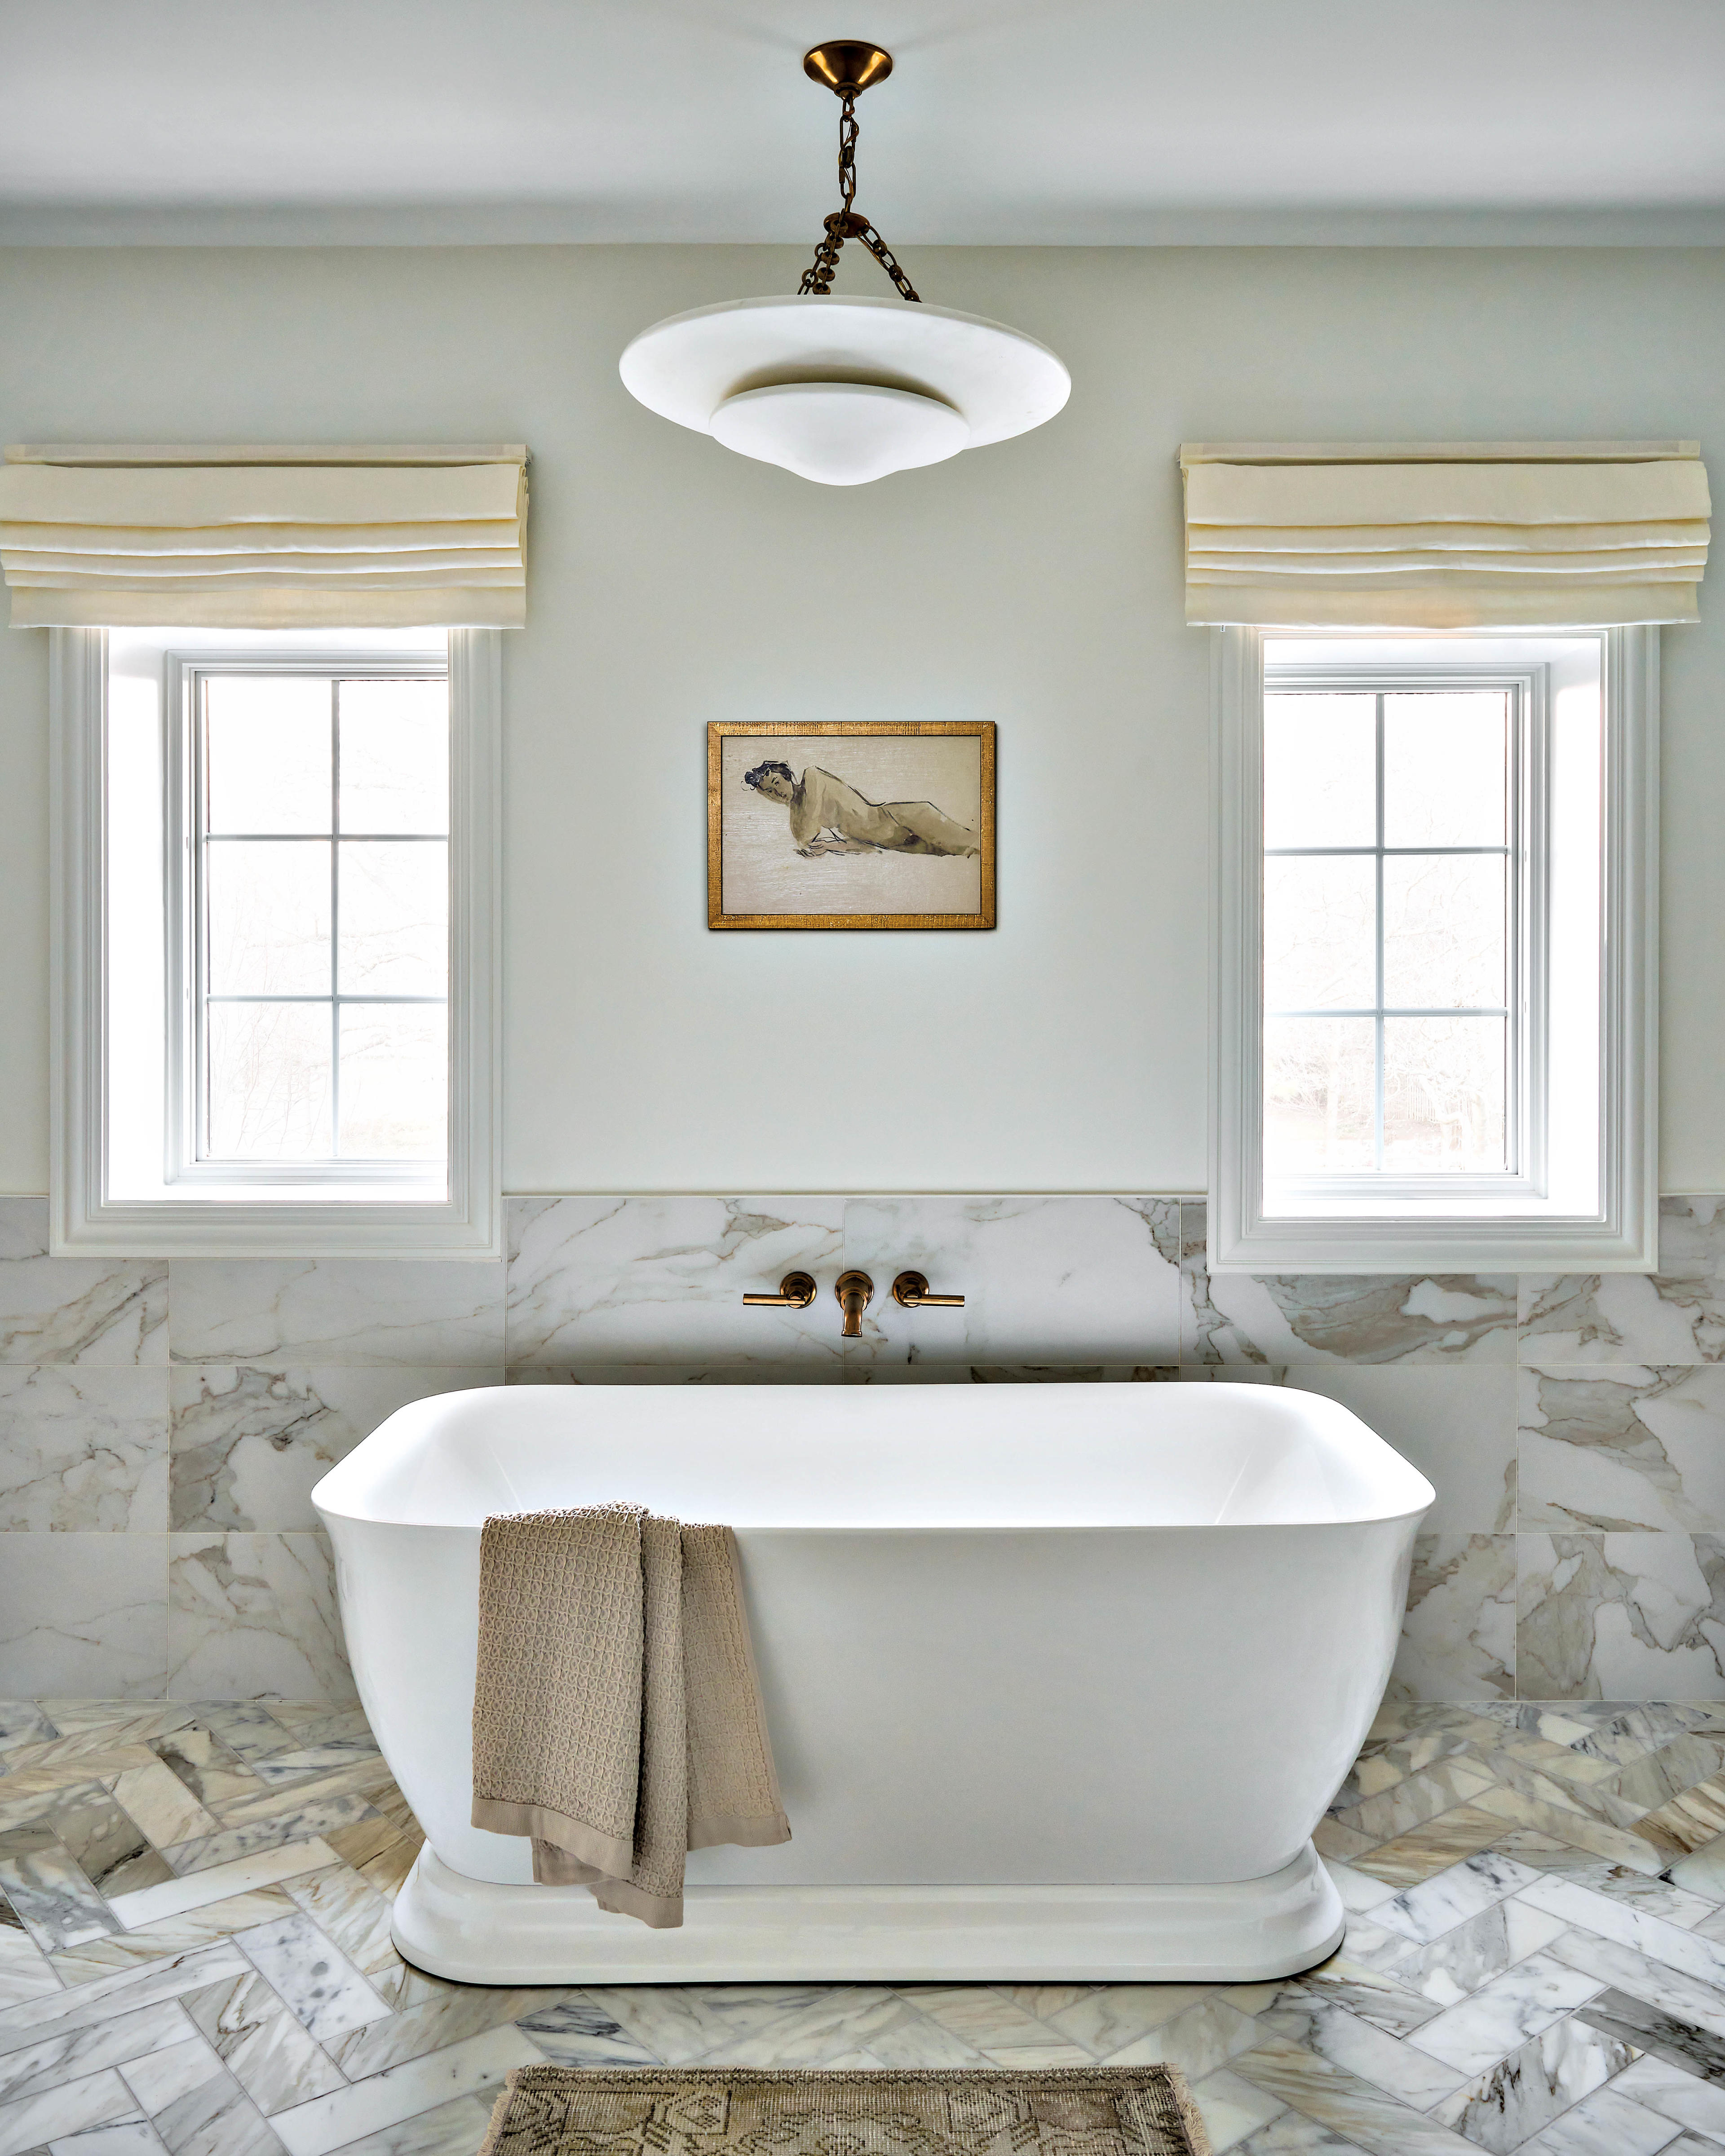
842	433
996	381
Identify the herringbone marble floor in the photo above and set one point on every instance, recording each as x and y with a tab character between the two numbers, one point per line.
195	1957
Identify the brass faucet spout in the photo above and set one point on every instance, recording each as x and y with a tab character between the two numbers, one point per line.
855	1292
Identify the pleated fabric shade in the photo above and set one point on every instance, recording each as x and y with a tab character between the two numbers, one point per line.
265	537
1461	536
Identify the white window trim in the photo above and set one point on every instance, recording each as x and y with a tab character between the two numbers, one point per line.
1624	1236
84	1220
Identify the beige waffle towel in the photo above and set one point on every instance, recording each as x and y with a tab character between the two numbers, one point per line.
617	1715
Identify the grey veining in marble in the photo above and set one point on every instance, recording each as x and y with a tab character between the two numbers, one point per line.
1046	1280
1459	1635
195	2105
248	1444
1622	1616
1493	2021
84	1613
56	1903
255	1614
621	1280
1676	1315
1382	1317
287	1313
74	1310
1534	2085
1627	1447
317	1983
84	1447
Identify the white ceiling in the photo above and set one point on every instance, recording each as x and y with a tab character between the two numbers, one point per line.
1035	120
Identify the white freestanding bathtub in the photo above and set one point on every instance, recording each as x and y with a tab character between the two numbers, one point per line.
1059	1677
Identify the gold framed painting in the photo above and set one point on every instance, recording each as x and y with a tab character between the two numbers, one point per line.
850	825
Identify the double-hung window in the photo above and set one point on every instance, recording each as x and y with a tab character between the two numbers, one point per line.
1434	918
276	940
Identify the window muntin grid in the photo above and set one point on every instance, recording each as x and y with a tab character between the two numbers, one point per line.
333	1003
1374	1007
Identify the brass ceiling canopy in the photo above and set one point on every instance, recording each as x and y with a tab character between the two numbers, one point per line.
847	65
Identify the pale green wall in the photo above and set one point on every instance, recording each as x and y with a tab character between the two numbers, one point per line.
1036	585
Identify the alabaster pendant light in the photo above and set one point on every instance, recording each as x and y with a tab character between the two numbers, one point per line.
844	390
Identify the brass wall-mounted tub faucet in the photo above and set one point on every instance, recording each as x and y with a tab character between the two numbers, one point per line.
796	1291
855	1291
911	1290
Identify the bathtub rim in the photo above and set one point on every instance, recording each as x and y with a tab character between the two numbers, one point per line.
328	1493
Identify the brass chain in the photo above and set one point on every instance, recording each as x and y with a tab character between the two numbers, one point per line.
846	224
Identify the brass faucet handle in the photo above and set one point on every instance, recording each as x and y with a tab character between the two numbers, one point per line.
796	1291
855	1291
911	1290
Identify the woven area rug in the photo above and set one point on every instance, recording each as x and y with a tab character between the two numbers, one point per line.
706	2111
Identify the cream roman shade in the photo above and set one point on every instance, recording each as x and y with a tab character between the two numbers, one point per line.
1443	535
265	537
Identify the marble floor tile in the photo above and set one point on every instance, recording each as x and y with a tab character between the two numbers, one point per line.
363	1774
1680	2044
1379	1996
1627	1926
450	2129
1231	2109
1526	2091
162	1805
1437	1905
1466	1959
195	2105
1199	2040
308	1823
1658	1895
1655	1983
261	2044
33	2020
1500	2017
1578	1828
578	2032
214	1775
54	1902
127	2137
1688	1822
23	1722
109	1848
1362	2114
314	1980
86	1449
33	2122
347	1910
74	1310
25	1971
1659	2085
54	2060
1603	2124
1408	1859
1112	2016
1316	2024
248	1730
1419	1798
174	1935
220	1883
329	2122
990	2023
460	2011
1291	2134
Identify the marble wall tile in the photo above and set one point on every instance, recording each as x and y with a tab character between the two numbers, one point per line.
248	1444
1457	1427
74	1310
630	1279
1622	1446
1318	1317
83	1615
1459	1636
1046	1280
283	1313
83	1448
1621	1616
1676	1315
253	1616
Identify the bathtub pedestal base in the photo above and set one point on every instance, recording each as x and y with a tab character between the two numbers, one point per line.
1245	1931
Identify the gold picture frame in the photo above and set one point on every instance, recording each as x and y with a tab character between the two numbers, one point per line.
798	830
